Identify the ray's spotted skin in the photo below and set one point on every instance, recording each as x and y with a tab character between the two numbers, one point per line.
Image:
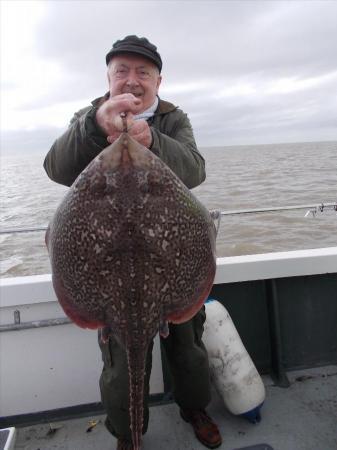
131	249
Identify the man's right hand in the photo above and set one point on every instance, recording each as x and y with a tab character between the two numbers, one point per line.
108	114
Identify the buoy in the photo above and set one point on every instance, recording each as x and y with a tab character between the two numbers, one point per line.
233	373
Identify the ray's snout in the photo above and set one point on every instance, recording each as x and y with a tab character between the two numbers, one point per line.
125	152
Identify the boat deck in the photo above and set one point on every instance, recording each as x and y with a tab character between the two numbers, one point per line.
301	417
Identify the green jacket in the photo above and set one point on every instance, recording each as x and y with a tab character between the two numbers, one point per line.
173	142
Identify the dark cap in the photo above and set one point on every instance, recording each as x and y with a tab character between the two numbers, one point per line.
134	44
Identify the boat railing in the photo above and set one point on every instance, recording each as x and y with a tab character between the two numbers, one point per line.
18	326
312	209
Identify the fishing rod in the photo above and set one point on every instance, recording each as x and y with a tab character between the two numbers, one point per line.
311	209
217	214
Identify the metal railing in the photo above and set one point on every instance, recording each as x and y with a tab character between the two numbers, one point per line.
311	209
34	324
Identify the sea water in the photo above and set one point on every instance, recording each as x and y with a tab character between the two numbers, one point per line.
238	177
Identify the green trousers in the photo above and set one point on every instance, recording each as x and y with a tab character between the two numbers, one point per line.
188	363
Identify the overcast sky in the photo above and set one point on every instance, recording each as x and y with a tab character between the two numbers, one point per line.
246	72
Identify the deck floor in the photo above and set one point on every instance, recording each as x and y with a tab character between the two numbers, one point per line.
301	417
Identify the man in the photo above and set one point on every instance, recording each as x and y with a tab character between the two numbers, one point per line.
134	68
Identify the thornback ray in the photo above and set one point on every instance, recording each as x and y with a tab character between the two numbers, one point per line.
131	249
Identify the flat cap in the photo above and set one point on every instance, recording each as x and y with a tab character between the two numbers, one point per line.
134	44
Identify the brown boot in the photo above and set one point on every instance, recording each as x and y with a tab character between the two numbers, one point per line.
205	429
124	444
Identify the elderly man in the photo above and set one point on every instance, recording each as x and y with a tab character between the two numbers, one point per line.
134	68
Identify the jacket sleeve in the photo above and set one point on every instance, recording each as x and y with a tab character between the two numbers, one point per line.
179	151
73	151
83	141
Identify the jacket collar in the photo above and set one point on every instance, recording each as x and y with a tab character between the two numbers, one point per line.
164	107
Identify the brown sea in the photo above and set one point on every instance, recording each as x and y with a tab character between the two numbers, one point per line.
238	178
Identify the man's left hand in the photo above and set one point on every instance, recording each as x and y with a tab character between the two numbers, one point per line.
140	131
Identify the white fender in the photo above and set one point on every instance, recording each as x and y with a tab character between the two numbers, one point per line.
232	371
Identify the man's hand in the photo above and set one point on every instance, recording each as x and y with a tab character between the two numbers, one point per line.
108	114
139	130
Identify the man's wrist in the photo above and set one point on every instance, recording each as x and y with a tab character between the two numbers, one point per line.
100	131
92	129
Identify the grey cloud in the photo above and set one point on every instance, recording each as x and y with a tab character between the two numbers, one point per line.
32	141
278	38
298	116
215	44
199	38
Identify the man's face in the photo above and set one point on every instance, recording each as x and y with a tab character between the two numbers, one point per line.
134	74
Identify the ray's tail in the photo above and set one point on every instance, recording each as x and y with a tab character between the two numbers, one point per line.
136	363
